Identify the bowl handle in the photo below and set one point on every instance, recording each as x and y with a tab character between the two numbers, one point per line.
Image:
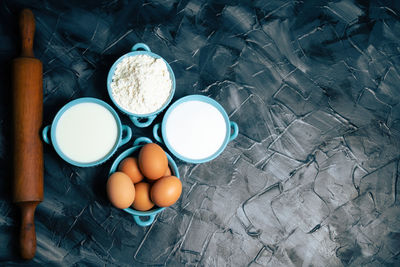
235	132
128	135
147	122
144	223
155	133
142	140
45	134
141	46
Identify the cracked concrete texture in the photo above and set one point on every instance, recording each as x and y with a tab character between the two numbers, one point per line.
311	180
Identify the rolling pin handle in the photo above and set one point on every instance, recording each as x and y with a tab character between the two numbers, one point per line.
27	31
27	239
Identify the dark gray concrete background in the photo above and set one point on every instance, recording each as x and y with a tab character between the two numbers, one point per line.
312	179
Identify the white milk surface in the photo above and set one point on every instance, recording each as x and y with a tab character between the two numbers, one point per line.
195	129
86	132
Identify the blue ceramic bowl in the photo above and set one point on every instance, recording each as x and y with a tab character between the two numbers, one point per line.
232	128
52	128
140	120
151	214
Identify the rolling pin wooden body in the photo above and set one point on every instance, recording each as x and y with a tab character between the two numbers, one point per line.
27	93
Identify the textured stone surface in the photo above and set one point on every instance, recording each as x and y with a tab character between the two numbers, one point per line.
311	180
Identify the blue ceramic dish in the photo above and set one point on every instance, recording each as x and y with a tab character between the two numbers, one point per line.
140	120
232	128
52	128
139	142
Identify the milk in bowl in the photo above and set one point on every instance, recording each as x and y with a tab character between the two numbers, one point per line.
86	132
196	129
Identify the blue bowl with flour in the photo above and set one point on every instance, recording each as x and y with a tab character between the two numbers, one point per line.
140	120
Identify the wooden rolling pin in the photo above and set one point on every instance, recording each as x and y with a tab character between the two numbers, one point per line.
27	87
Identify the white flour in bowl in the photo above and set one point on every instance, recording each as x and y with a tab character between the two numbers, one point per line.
141	84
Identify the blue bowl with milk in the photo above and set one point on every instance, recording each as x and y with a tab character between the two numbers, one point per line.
86	132
133	151
140	120
196	129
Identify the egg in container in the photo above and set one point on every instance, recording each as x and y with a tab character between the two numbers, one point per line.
134	152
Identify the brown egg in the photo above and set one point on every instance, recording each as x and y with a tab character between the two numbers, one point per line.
166	191
130	167
167	172
120	190
152	161
142	197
